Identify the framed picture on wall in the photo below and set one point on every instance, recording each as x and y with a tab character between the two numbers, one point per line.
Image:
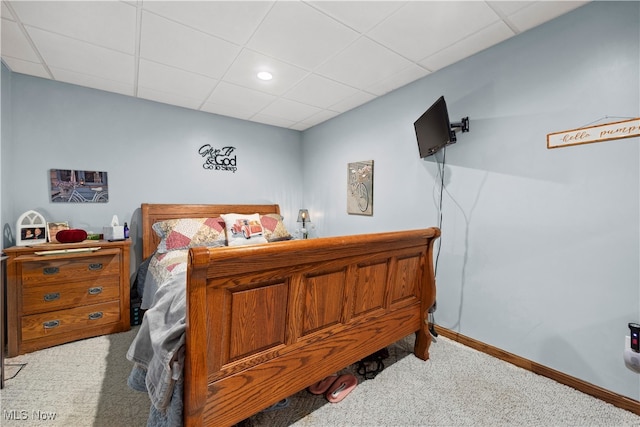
360	188
78	186
30	229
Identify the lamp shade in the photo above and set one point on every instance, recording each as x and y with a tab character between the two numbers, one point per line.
303	215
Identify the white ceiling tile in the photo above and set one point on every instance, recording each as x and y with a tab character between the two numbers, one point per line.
489	36
245	68
273	121
26	67
5	12
161	77
318	118
15	44
228	110
168	98
403	77
356	15
363	63
240	97
429	26
319	91
352	102
506	8
174	44
540	12
299	34
327	57
300	126
234	21
109	24
291	110
84	58
92	82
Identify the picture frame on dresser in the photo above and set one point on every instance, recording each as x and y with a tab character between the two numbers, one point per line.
31	229
53	228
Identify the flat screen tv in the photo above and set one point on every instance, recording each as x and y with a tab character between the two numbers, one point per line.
433	129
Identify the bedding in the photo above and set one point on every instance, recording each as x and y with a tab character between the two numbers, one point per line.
187	233
158	348
160	267
233	330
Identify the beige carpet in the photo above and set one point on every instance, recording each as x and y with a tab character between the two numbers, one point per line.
84	384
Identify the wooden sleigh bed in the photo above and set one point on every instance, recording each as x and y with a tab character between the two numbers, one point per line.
265	321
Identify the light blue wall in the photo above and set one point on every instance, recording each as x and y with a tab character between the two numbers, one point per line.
149	150
540	248
5	151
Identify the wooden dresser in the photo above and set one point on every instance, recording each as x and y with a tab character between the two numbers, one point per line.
57	298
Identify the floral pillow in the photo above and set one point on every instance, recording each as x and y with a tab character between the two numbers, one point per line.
243	229
274	229
187	233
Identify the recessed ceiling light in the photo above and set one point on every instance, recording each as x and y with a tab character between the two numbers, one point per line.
265	75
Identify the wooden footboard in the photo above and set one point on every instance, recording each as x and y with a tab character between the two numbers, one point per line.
266	321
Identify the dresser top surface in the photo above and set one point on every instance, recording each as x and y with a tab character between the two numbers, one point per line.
20	250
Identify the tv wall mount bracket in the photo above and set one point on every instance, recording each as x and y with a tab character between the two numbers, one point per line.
462	125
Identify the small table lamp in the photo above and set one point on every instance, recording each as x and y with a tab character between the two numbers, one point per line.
303	217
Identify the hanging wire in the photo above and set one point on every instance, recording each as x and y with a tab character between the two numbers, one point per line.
441	166
441	176
605	118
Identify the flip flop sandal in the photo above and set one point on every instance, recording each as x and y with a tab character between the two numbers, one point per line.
323	385
341	388
373	364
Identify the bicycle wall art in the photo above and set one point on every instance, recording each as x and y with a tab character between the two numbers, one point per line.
78	186
360	188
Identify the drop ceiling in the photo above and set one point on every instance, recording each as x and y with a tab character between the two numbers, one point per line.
326	57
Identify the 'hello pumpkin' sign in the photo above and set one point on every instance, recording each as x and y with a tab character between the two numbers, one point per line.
607	132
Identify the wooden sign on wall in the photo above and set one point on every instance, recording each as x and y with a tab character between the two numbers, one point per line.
599	133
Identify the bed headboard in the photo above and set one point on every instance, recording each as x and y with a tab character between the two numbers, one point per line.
152	213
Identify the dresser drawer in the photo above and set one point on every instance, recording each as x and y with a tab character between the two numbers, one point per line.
67	321
38	299
44	270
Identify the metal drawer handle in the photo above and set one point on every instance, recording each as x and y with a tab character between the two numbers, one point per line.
50	270
95	266
95	291
51	324
52	296
95	316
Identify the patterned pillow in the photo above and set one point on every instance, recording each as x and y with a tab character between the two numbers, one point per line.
274	229
187	233
244	229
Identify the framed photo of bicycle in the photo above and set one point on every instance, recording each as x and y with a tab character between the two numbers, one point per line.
360	188
78	186
53	228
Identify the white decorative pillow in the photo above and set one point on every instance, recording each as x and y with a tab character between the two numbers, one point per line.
243	229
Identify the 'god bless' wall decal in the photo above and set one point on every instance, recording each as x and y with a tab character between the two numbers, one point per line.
218	159
586	135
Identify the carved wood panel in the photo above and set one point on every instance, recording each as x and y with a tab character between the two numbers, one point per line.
258	319
323	300
369	287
